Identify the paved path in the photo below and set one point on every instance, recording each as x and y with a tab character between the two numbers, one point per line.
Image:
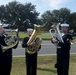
47	48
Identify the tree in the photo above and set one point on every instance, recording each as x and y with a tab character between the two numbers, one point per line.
56	16
17	14
64	15
2	12
47	19
72	21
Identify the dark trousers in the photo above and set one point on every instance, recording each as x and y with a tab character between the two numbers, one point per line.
5	63
62	68
5	69
31	64
62	62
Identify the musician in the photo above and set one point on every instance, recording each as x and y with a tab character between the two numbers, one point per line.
5	57
63	51
31	59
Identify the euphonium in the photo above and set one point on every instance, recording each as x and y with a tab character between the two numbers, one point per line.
55	32
10	39
37	40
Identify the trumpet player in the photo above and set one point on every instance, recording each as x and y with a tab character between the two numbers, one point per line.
5	57
31	59
63	51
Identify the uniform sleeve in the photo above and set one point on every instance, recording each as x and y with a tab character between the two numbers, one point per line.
66	39
24	42
16	45
39	48
61	44
69	36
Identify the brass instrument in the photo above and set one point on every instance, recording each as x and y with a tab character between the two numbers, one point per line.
10	39
55	32
37	40
73	41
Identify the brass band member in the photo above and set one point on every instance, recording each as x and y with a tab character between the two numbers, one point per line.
63	51
5	57
31	59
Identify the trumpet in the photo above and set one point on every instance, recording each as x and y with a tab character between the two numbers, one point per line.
10	39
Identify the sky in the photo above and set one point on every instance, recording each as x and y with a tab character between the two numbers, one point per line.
44	5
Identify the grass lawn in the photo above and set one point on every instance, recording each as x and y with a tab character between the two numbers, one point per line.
43	35
45	65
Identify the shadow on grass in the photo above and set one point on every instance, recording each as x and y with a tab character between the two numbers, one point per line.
45	69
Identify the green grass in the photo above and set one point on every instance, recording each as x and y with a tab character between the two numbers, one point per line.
43	35
45	65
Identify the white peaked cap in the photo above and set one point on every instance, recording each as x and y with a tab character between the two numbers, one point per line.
64	25
29	29
5	25
0	24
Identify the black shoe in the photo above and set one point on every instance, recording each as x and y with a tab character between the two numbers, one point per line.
55	65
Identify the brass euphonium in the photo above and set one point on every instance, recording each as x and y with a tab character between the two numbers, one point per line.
10	39
37	40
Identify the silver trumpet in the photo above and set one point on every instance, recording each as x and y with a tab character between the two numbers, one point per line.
11	39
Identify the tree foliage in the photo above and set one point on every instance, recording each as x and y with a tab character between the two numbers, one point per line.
22	16
19	15
62	15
